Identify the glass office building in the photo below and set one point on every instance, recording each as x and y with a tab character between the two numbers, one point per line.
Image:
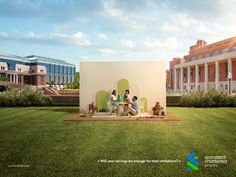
57	70
36	70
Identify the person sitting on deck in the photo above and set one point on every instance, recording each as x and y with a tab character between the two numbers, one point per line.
133	110
127	96
114	101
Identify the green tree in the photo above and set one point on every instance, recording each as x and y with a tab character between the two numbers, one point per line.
76	83
52	83
4	78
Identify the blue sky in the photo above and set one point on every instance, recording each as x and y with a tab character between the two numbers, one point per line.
76	30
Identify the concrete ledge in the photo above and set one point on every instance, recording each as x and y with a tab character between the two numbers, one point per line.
173	100
65	100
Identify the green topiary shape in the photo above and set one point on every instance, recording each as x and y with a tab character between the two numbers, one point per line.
101	100
143	104
123	84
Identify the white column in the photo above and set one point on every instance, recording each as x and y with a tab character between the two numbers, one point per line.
206	76
16	78
188	81
196	76
181	79
175	80
229	71
216	75
229	65
22	80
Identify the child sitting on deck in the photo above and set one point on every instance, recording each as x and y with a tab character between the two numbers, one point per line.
114	101
133	110
127	96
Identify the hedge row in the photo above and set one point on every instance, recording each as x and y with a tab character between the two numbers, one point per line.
211	98
24	97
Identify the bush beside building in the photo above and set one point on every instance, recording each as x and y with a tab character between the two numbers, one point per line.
24	97
210	98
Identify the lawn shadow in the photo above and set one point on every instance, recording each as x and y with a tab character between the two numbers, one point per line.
62	109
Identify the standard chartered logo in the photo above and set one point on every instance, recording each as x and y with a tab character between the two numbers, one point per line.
192	163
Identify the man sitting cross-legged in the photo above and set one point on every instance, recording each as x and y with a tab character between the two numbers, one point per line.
133	110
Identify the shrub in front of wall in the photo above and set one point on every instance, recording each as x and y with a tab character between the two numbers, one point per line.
25	97
234	101
211	98
9	98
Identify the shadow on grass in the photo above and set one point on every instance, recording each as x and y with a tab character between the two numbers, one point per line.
69	109
61	109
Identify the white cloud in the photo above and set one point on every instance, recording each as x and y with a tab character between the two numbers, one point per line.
3	34
30	35
127	43
83	57
70	23
52	38
186	27
218	32
106	51
182	22
202	10
152	48
80	39
110	8
102	36
156	30
164	45
171	43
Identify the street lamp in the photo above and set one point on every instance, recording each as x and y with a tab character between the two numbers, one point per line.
169	87
229	77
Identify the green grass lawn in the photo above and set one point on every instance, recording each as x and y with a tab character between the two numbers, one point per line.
39	137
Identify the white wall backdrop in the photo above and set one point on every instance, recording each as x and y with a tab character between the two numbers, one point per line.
146	79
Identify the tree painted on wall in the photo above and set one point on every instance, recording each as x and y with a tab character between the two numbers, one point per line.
123	84
101	100
143	104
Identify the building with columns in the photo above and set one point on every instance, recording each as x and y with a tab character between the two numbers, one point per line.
36	70
205	66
